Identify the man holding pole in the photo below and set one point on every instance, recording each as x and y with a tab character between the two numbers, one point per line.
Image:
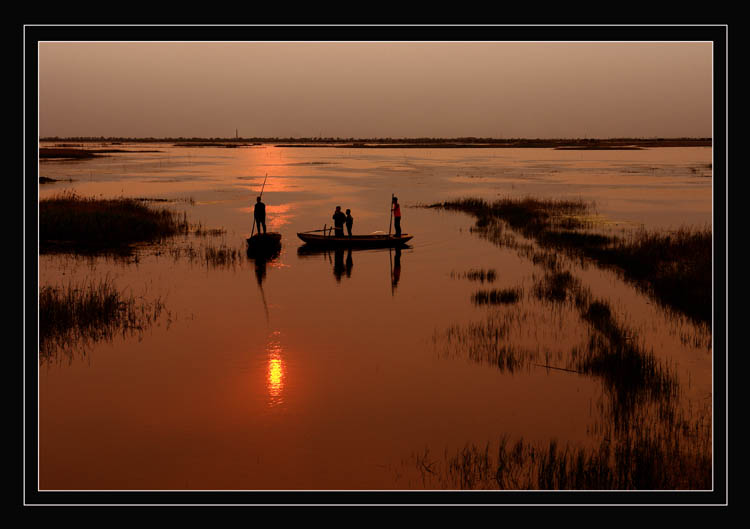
396	209
260	215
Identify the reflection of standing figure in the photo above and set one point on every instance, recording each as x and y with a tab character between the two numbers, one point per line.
397	216
260	270
260	215
338	263
349	262
396	268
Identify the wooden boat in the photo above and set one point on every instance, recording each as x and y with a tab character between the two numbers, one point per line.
264	243
354	241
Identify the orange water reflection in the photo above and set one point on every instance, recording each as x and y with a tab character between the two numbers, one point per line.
276	215
275	371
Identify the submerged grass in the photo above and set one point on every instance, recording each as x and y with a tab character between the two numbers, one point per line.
632	376
497	296
76	315
480	275
677	459
674	268
69	222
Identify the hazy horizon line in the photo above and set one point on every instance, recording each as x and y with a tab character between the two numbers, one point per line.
388	138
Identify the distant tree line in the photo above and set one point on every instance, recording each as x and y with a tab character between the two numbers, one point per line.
388	140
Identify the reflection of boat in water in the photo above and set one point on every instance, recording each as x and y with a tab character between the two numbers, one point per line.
264	244
309	250
342	260
341	266
315	238
262	252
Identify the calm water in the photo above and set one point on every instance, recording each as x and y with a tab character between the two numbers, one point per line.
335	371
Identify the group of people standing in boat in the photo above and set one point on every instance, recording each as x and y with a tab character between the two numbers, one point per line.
340	219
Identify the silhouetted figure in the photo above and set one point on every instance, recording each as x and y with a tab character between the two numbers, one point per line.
260	215
338	222
338	263
349	221
396	216
349	262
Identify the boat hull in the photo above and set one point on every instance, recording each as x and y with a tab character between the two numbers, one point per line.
354	241
265	243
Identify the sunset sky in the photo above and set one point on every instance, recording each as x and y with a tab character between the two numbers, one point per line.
375	89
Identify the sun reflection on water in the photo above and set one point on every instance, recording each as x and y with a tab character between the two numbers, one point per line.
275	371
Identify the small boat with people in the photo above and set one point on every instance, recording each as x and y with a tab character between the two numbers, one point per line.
334	237
324	238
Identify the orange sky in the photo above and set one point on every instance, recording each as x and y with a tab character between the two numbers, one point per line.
375	89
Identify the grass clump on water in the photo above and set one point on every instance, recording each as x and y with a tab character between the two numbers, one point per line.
497	296
675	268
643	458
88	313
69	222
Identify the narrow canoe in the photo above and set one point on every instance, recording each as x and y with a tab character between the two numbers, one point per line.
355	241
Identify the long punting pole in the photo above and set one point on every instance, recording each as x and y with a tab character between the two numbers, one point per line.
390	221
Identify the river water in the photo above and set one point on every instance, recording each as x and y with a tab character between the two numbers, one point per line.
335	371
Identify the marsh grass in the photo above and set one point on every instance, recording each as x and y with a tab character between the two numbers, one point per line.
77	315
674	268
497	296
200	231
631	373
68	222
221	256
480	275
646	460
632	376
557	286
487	342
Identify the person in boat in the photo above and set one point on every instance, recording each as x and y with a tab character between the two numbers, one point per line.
338	222
396	216
349	221
260	215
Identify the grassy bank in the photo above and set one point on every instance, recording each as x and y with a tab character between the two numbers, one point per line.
674	268
72	223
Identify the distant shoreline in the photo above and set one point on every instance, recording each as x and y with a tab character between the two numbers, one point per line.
413	143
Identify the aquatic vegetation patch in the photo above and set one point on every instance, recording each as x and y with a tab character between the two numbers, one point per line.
497	296
480	275
76	315
487	342
69	222
631	374
644	458
675	268
200	231
557	286
222	256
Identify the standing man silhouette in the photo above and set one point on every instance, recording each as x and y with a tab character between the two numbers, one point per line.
396	216
260	215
